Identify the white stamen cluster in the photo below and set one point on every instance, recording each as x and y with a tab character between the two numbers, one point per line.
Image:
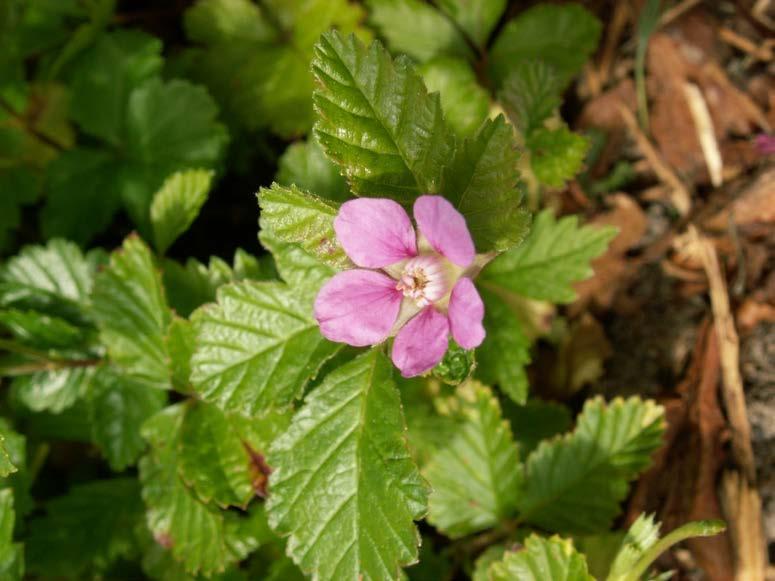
424	280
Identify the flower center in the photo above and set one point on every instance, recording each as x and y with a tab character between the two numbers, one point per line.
424	280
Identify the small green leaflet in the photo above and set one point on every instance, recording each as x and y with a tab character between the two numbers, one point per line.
257	347
55	390
477	18
11	554
540	560
556	254
563	36
132	313
482	183
85	530
19	480
575	484
181	343
222	456
301	218
556	155
305	165
177	204
417	29
530	95
204	538
344	486
6	465
118	406
377	120
476	478
465	102
505	353
56	279
641	545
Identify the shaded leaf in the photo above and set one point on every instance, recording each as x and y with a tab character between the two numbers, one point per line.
530	94
556	155
11	554
55	390
305	165
344	487
476	17
563	36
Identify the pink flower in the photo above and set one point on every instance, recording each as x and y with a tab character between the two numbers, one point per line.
422	291
765	144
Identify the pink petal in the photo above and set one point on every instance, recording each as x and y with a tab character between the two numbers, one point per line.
421	344
466	311
445	228
358	307
375	232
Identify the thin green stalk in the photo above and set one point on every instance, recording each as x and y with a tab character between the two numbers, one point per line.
647	24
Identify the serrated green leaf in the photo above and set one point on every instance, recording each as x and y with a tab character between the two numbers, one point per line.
556	254
257	347
85	530
118	407
102	78
476	478
344	486
575	483
161	141
417	29
541	559
530	94
298	268
305	165
466	104
304	219
15	446
482	564
222	456
563	36
476	17
482	183
505	352
177	204
11	554
377	120
556	155
132	313
55	390
56	279
203	538
181	343
41	331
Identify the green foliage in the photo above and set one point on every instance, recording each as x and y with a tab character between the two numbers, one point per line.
85	530
553	558
476	477
557	155
132	313
476	18
348	500
482	182
301	218
563	36
306	166
530	94
575	484
417	29
465	103
377	120
257	347
11	554
555	255
177	204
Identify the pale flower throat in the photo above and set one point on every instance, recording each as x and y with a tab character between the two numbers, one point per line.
424	279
